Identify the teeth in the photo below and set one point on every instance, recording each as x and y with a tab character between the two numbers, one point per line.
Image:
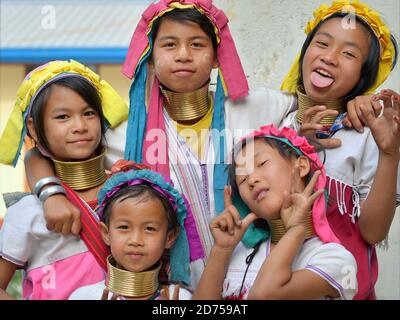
324	73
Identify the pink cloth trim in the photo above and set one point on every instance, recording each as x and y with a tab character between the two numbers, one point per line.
58	280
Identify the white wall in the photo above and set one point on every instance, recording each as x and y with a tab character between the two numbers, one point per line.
269	35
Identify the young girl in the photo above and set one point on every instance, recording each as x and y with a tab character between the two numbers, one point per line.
176	124
142	216
337	63
60	106
278	177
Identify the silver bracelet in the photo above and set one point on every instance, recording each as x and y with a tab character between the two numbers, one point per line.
50	191
44	182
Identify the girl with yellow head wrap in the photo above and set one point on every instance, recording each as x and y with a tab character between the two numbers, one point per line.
349	51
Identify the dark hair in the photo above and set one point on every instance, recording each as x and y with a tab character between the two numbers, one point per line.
284	150
185	15
370	67
143	193
82	87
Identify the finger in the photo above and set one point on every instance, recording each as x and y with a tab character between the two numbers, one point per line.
76	226
310	113
353	117
248	220
346	122
227	196
66	228
330	143
114	296
105	294
286	203
298	187
222	224
368	114
235	215
230	224
386	93
310	186
307	129
377	107
58	227
315	196
50	226
175	295
396	102
321	115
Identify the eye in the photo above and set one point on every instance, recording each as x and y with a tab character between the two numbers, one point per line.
151	229
61	117
241	180
262	163
90	113
349	54
322	43
122	227
197	44
169	45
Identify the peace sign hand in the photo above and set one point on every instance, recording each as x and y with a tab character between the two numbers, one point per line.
297	205
228	229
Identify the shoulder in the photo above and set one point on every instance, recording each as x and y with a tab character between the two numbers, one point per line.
25	211
264	96
315	248
184	294
91	292
332	262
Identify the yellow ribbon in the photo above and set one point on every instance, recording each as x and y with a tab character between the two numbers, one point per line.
364	12
114	107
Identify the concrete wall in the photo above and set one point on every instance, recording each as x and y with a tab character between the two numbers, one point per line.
268	35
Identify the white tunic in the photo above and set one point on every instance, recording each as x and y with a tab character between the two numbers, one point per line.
331	261
262	106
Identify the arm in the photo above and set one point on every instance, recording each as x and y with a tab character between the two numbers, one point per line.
227	230
276	280
284	284
7	270
61	216
378	210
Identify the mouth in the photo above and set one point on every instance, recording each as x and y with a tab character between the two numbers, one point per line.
321	78
260	194
134	255
81	141
183	73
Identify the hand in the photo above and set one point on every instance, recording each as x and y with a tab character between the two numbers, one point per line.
311	123
355	118
61	216
105	295
228	229
297	205
385	128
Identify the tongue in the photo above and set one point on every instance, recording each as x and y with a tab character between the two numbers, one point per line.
320	81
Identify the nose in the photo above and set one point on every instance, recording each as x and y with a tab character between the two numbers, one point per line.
330	57
79	125
253	179
136	239
183	54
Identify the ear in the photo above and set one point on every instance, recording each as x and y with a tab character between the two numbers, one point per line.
215	63
32	130
171	237
105	233
304	164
